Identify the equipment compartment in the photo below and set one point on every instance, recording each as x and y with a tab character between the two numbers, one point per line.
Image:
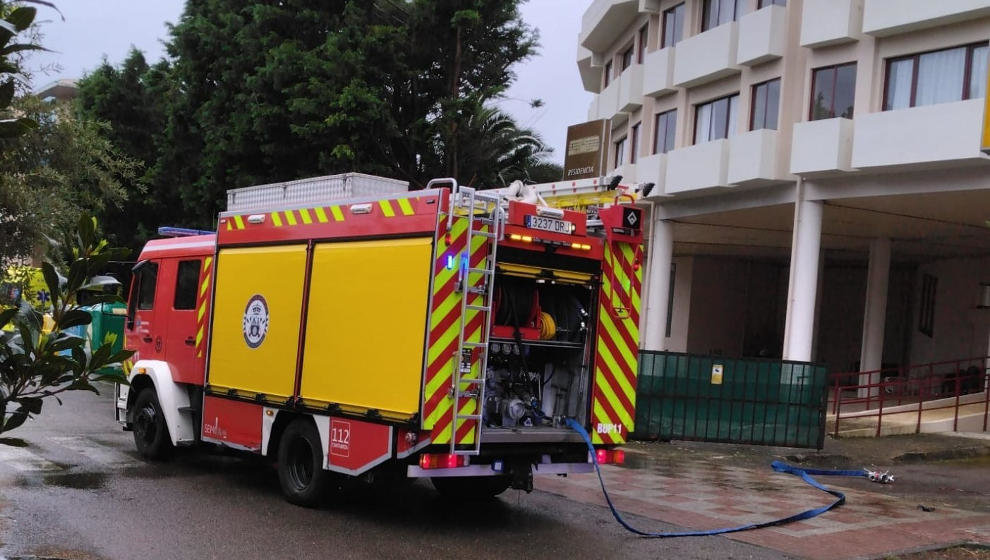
539	343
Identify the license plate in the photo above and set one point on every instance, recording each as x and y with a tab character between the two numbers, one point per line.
549	224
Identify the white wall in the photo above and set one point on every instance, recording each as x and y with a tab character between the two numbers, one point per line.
960	330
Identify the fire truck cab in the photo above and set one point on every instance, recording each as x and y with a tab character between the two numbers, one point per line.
346	326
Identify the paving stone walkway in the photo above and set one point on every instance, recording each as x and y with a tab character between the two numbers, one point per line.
701	495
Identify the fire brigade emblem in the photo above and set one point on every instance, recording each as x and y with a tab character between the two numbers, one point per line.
255	322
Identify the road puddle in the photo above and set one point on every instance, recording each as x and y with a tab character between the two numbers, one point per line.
78	481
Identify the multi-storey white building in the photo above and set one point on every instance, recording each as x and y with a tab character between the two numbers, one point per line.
820	193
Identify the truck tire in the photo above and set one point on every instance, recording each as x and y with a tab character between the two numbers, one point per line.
474	488
300	464
150	431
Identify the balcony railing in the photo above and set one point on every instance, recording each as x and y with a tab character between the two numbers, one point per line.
919	137
762	35
708	56
830	22
822	146
888	17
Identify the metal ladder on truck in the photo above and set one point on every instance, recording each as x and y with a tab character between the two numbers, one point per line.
482	209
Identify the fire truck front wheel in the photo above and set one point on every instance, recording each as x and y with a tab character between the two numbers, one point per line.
300	464
150	432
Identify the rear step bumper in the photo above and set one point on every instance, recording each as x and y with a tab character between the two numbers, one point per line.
529	435
415	471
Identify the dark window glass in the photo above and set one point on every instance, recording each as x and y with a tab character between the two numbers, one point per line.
766	105
717	12
186	281
833	90
620	152
627	57
148	278
926	314
641	43
765	3
716	119
673	26
607	74
664	129
934	77
634	143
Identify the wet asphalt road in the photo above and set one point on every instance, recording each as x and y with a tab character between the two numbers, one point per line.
72	486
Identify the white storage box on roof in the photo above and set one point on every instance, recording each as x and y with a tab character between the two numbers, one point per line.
312	191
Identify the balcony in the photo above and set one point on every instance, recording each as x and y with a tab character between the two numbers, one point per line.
920	137
606	103
822	146
882	18
658	73
628	172
630	96
651	169
591	73
830	22
624	95
707	57
762	35
697	168
753	158
603	20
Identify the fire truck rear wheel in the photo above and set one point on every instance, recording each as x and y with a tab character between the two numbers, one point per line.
470	487
300	464
150	431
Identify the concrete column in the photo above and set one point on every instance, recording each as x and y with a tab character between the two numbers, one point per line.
875	312
803	285
662	252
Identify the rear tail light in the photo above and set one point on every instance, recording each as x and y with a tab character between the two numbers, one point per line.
610	456
442	461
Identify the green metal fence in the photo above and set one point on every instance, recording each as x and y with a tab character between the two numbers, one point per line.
707	398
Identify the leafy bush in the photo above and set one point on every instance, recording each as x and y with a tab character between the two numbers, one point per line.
35	365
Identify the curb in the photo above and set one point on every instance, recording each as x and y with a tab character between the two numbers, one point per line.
942	454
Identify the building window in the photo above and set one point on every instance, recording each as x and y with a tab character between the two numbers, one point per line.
833	89
634	143
673	26
641	44
766	105
926	313
717	12
716	119
670	299
765	3
620	151
607	73
627	58
936	77
664	128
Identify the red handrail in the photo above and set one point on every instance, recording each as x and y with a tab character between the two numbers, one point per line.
877	391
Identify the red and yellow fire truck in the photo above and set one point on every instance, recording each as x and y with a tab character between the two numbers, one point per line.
345	325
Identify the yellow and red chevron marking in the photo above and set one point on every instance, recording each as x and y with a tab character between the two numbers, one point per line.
614	396
325	214
202	302
445	324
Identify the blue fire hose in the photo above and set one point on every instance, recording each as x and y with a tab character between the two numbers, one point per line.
778	466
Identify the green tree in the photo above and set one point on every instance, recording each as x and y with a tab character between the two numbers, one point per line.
257	92
132	101
53	173
35	365
15	19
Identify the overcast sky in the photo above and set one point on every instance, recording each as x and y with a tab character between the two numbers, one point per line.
94	29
